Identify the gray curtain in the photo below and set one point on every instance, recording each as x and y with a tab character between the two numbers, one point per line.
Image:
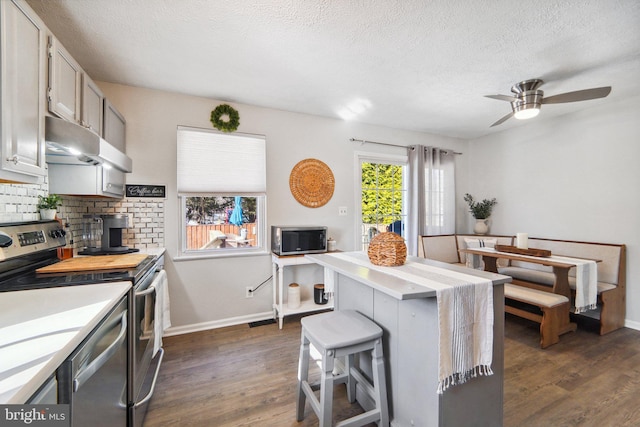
431	194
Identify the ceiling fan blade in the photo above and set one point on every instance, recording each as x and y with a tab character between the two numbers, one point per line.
579	95
502	97
502	120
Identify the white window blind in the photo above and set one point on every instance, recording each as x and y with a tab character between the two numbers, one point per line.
212	162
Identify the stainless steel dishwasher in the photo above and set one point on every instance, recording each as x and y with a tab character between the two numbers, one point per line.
93	380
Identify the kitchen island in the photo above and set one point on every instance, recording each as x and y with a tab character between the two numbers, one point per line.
408	314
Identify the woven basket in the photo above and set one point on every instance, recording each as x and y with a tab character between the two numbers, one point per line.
387	249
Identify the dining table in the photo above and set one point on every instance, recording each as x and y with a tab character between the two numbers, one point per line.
560	265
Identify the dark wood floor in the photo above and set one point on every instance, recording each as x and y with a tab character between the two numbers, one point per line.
241	376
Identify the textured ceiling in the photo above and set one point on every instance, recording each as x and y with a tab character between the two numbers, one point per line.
408	64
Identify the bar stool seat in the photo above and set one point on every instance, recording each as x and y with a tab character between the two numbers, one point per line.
336	334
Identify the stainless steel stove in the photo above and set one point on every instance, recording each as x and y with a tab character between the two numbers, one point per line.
27	246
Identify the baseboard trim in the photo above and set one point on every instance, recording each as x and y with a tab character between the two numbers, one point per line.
215	324
632	325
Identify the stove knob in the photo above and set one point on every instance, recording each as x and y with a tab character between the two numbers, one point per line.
55	233
5	240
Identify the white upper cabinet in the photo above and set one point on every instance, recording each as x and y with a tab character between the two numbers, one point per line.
114	127
72	94
92	102
65	80
23	56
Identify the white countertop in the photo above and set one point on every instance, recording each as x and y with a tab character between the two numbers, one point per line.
40	328
388	282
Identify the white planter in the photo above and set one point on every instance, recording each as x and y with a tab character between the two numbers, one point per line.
481	227
48	213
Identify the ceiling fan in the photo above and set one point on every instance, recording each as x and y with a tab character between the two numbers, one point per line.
528	99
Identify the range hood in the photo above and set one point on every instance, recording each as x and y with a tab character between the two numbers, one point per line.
70	143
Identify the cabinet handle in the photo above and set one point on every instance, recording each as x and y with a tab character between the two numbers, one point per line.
15	159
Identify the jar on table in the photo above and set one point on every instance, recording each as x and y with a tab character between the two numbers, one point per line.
293	296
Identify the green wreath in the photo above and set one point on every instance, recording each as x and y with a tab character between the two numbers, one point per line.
230	125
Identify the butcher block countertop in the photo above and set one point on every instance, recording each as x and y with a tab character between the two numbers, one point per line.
91	263
40	328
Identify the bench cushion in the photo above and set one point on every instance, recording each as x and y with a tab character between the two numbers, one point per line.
545	277
533	296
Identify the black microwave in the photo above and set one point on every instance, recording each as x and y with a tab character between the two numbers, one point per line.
297	240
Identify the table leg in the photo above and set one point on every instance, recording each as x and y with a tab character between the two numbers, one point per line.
281	291
490	263
274	281
561	283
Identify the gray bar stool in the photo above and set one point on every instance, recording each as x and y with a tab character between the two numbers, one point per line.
337	334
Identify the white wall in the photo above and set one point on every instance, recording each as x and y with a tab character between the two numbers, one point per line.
208	293
575	177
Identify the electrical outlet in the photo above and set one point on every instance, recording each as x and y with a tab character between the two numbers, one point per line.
248	292
342	210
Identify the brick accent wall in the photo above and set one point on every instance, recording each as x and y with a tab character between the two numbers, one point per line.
146	215
18	201
146	218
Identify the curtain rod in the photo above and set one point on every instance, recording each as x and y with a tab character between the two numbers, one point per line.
364	141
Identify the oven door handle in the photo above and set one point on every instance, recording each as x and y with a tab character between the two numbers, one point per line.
147	291
99	361
153	383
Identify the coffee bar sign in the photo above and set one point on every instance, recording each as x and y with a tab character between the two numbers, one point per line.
146	191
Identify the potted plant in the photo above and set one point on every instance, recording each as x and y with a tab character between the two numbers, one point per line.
481	211
48	206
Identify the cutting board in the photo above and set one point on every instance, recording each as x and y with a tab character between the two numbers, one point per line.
99	262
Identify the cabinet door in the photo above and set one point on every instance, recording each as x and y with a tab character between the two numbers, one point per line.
114	127
113	182
65	79
92	101
22	92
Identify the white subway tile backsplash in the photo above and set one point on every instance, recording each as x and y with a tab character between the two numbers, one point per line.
18	202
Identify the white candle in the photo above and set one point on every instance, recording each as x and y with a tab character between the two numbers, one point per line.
521	241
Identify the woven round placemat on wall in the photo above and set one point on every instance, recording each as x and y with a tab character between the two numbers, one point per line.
311	183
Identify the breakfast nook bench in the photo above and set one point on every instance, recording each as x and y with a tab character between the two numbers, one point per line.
555	311
528	276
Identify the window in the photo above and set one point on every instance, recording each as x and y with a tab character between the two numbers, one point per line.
222	191
383	186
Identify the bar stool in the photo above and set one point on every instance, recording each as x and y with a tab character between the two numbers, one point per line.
337	334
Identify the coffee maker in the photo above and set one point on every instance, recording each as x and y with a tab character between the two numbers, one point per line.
102	234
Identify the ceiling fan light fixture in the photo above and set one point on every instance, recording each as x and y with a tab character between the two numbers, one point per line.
527	113
527	99
528	104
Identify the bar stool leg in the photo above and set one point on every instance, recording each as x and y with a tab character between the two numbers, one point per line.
380	383
351	382
326	389
303	376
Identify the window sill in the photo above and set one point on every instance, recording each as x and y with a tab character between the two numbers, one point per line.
190	256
